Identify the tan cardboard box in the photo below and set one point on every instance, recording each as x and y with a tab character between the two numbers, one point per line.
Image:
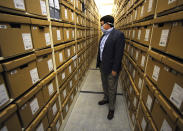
37	7
146	34
59	55
138	80
174	45
40	33
161	35
18	29
164	5
57	122
62	74
53	107
73	19
9	119
17	5
58	34
150	7
170	81
64	92
67	34
64	13
65	108
154	67
30	105
68	51
40	123
4	97
148	97
161	119
23	69
44	62
49	87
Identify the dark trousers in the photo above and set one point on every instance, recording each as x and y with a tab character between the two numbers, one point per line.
109	85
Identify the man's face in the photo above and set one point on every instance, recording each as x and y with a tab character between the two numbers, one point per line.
106	26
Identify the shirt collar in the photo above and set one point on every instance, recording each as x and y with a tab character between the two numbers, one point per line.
109	31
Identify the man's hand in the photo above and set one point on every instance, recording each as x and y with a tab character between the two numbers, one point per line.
114	73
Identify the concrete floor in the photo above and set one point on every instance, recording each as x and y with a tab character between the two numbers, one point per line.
87	115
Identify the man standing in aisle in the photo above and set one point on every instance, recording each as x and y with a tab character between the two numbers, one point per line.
109	58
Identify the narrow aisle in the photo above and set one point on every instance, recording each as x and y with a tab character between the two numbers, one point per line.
87	115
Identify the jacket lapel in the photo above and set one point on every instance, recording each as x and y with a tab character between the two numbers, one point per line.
108	41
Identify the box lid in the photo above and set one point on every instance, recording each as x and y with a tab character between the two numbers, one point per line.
155	55
39	22
43	52
48	79
7	112
53	23
28	95
52	101
18	62
14	19
59	47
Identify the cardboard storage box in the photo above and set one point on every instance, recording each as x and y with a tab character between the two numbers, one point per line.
161	35
16	4
40	123
146	34
69	50
65	108
44	62
67	34
148	94
40	33
20	74
62	74
57	122
73	19
49	87
175	39
53	107
9	119
15	35
138	79
4	97
60	55
64	92
149	8
30	105
164	5
52	8
161	119
170	81
36	7
58	34
64	13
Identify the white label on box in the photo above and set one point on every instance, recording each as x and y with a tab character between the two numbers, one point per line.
3	27
76	77
68	52
165	126
77	19
50	89
140	83
156	71
43	7
150	5
50	64
135	102
135	14
72	16
139	34
133	35
57	6
128	48
66	16
13	72
19	4
3	95
143	61
34	75
74	49
27	41
60	57
137	55
147	35
171	1
70	83
47	38
58	125
4	128
177	95
143	124
58	35
142	11
64	93
63	75
67	108
73	34
67	33
54	109
133	74
164	37
34	106
40	127
149	102
70	70
51	3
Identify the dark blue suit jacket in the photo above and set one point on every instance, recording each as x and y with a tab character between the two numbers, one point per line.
112	53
